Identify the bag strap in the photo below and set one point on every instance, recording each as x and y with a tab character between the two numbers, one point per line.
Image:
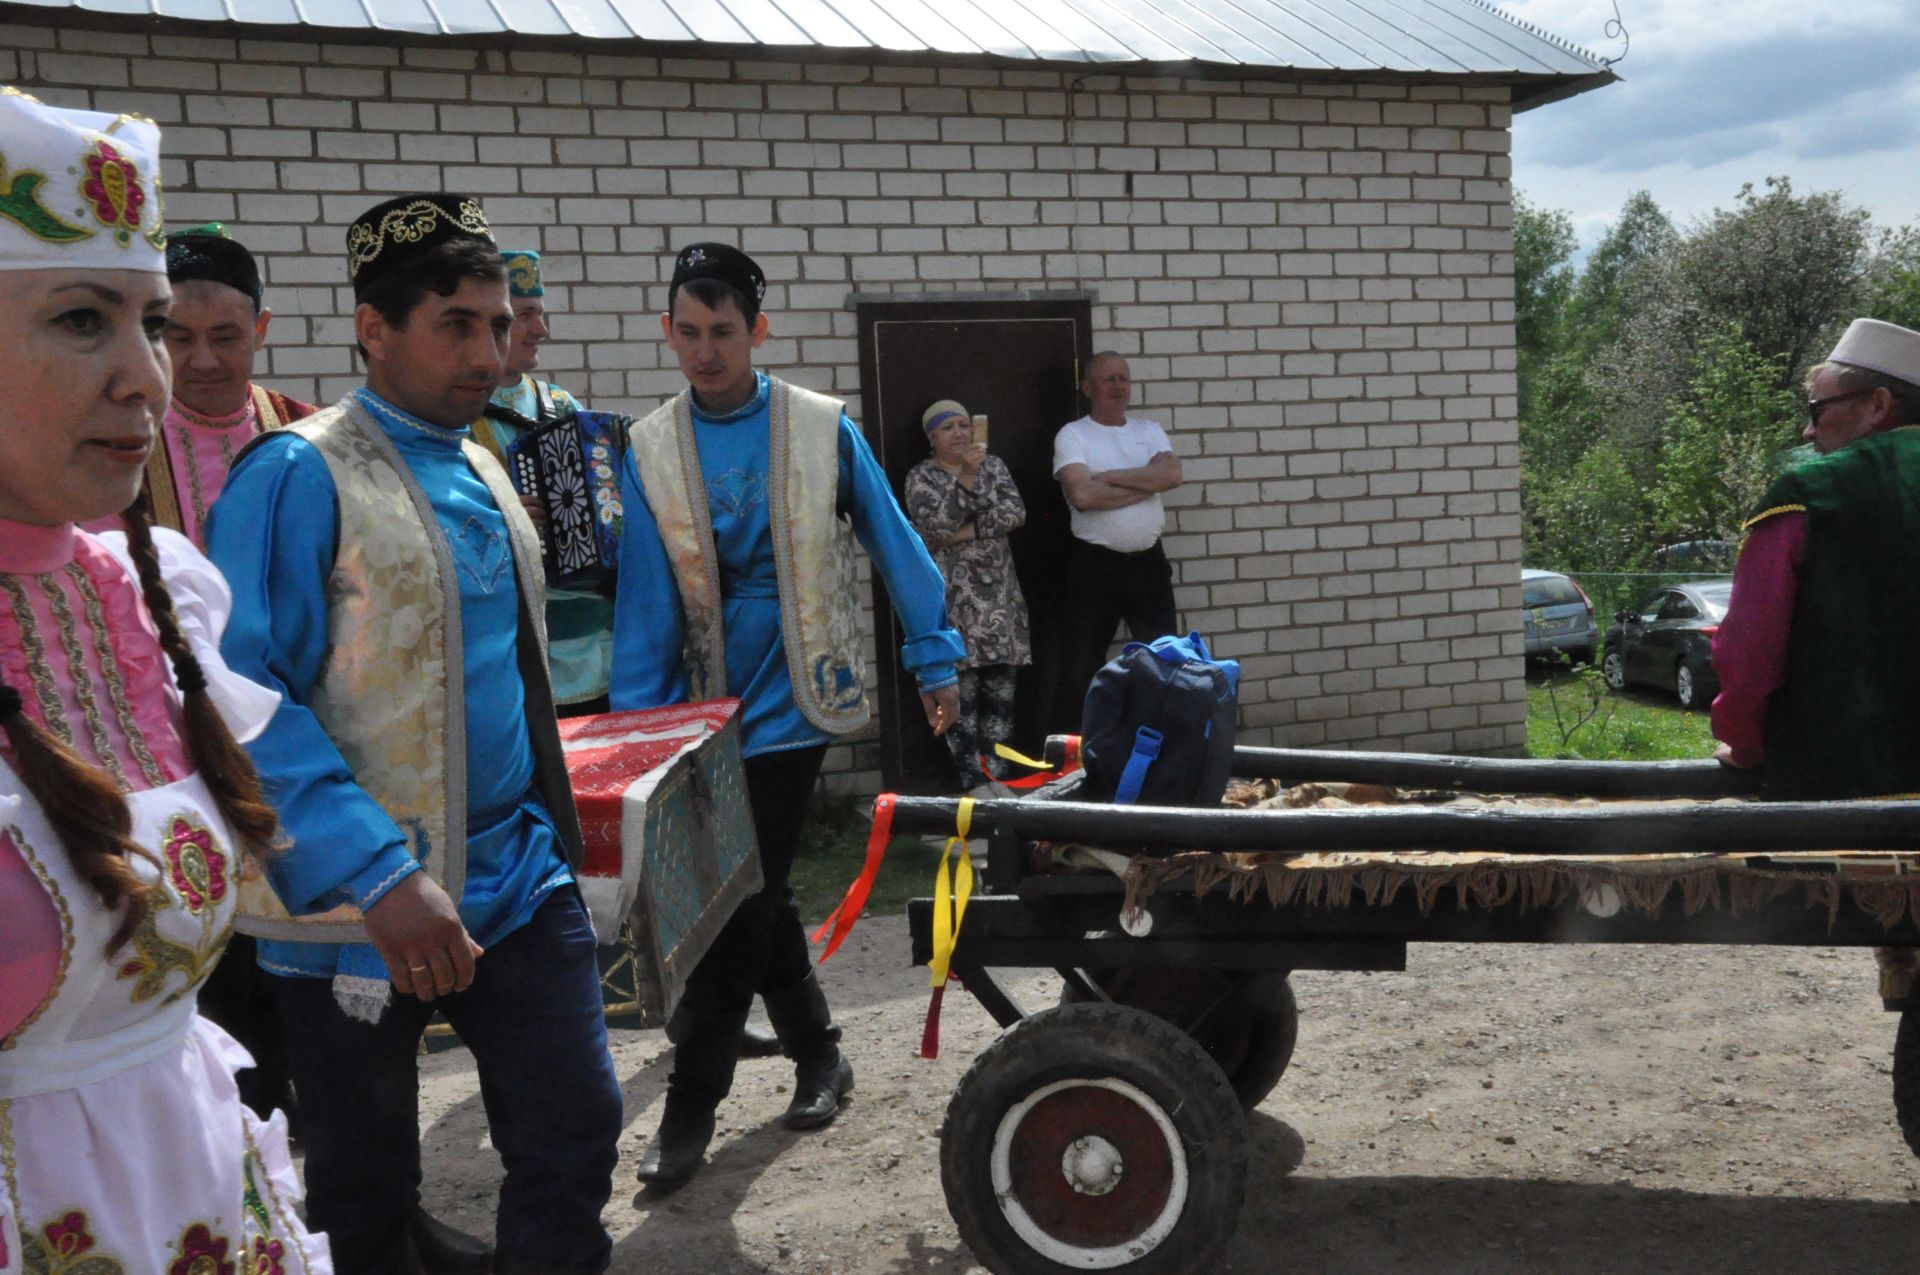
1146	750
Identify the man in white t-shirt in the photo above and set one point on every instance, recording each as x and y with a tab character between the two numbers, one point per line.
1112	468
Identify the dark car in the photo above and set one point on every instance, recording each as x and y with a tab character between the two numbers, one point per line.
1557	616
1667	641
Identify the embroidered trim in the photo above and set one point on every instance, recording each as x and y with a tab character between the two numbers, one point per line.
289	1228
194	491
38	671
47	883
112	187
1768	513
116	684
409	223
390	879
103	748
20	204
8	1171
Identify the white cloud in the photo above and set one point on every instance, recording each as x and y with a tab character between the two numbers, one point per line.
1719	94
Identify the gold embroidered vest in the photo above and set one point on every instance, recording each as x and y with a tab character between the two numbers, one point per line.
392	694
812	550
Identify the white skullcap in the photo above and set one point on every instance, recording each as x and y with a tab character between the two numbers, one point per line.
1880	347
78	189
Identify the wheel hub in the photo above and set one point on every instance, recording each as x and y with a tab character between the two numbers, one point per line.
1090	1172
1092	1165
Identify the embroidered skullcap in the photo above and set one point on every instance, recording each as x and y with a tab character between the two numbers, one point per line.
523	273
718	261
1880	347
940	413
209	252
78	189
401	230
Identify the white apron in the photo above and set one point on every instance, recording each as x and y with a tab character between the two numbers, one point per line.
124	1147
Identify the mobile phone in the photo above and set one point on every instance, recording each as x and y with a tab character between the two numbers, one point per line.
980	430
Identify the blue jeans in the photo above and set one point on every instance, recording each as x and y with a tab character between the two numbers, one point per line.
534	1022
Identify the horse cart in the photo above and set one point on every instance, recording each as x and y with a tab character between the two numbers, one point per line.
1107	1133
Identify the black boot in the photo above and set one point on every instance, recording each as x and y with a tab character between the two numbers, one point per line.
446	1250
703	1062
679	1148
755	1042
822	1076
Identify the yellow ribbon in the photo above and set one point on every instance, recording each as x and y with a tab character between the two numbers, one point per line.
950	895
1001	750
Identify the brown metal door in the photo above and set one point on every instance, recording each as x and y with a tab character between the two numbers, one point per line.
1017	363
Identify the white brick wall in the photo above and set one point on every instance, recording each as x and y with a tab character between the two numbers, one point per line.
1312	281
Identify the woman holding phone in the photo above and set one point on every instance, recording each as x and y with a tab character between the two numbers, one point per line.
963	502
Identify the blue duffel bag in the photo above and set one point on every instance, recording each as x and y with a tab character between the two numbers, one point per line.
1158	725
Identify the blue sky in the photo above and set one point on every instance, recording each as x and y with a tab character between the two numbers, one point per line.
1720	92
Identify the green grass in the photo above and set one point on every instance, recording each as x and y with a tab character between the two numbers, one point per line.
1635	725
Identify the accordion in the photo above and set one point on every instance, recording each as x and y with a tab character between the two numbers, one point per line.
571	465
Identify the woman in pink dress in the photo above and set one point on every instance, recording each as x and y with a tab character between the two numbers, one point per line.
129	815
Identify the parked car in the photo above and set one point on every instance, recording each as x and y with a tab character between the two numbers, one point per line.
1559	617
1667	641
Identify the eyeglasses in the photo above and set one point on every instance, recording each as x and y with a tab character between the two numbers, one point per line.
1819	405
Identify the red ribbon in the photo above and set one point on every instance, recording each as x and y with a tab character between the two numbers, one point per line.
841	920
930	1034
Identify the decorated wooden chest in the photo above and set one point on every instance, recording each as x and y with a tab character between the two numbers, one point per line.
670	850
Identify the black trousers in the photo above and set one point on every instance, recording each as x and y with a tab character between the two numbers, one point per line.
763	948
1104	587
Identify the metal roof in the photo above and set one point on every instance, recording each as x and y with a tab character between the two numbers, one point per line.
1372	38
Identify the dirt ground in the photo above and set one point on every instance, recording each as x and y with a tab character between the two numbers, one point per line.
1500	1110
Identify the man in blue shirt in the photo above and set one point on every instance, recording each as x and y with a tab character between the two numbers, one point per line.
743	497
388	583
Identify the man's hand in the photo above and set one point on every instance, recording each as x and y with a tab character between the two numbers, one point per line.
1724	755
538	513
942	707
417	931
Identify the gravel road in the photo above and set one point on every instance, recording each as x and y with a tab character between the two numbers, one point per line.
1491	1110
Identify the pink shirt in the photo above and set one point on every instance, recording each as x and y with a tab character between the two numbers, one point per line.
1750	650
200	451
77	644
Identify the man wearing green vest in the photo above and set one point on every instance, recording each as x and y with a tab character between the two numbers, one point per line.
1819	689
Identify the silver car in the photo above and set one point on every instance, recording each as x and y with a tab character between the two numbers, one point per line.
1559	617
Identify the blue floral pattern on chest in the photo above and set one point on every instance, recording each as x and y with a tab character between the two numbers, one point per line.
737	492
482	553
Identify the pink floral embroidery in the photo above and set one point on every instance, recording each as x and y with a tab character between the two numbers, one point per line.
268	1257
201	1253
195	864
68	1237
112	186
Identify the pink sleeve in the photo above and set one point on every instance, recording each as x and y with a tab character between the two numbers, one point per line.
30	940
1750	650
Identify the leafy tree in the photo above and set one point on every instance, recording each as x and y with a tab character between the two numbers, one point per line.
1723	441
1543	243
1643	233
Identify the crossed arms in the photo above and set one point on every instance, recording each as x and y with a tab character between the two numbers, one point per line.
1118	488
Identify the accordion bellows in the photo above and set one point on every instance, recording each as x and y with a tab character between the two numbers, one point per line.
572	466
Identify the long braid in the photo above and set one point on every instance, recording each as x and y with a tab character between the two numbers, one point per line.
87	810
217	756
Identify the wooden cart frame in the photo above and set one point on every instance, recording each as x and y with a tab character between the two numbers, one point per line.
1107	1133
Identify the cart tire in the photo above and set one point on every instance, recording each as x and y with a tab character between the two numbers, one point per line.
1250	1033
1094	1138
1906	1076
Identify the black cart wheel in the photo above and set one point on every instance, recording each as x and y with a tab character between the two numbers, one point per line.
1906	1076
1094	1138
1248	1022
